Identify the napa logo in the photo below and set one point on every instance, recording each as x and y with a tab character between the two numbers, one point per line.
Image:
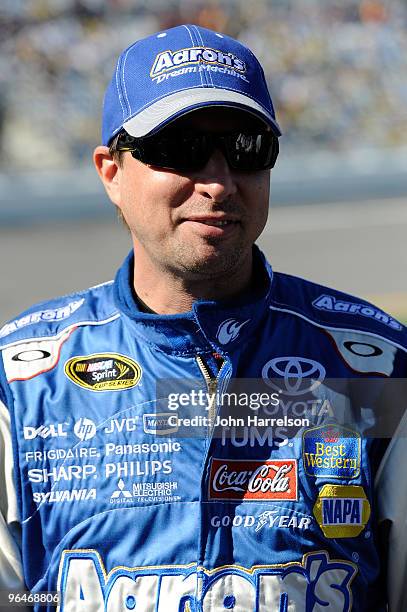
342	511
169	60
317	582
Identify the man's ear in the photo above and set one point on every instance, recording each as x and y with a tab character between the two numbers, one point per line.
109	173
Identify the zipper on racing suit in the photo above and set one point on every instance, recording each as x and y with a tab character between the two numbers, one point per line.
211	382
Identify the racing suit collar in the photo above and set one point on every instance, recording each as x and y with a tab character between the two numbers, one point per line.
210	326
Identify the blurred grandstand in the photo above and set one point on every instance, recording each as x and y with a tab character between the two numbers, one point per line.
337	71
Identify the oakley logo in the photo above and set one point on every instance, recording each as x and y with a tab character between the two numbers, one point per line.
363	349
229	330
299	374
34	355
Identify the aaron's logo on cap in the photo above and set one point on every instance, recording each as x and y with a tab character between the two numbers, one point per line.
167	60
103	372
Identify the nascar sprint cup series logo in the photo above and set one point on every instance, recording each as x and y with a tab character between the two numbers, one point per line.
103	372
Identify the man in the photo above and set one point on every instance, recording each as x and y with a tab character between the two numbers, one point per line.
113	494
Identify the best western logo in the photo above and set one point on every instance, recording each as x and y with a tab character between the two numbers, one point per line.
331	451
103	372
342	511
168	60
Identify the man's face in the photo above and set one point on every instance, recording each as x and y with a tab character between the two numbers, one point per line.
200	224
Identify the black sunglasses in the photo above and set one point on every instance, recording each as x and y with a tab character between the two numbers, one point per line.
189	150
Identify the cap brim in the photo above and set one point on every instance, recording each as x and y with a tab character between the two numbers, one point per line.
170	107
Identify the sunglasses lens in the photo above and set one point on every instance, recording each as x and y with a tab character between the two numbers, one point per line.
251	151
176	149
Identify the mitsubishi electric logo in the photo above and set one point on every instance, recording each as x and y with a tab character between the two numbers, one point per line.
299	375
229	330
121	494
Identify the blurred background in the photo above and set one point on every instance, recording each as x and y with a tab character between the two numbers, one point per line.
337	70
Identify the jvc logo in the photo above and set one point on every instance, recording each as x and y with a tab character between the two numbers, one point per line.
56	430
119	425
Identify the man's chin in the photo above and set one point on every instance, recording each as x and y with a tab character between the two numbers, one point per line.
213	262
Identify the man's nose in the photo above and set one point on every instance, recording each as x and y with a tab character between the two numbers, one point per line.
216	180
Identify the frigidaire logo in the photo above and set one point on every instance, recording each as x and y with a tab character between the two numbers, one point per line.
104	372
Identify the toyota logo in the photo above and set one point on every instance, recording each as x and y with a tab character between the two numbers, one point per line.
300	375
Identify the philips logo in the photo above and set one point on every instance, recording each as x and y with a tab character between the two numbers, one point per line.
168	60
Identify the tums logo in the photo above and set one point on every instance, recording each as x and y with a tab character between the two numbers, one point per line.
300	375
253	480
229	330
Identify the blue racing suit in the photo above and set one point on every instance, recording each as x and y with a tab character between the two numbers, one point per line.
133	495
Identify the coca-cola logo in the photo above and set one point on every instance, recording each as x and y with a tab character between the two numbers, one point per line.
253	480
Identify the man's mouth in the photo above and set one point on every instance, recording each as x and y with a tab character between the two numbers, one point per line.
216	223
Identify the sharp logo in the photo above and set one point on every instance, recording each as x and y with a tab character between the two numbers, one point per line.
168	60
56	430
299	375
229	330
316	583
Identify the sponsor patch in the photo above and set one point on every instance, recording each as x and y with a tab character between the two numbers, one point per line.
253	480
331	304
293	375
363	353
229	330
54	314
269	519
342	511
66	495
29	359
143	492
315	582
331	451
169	60
103	372
158	425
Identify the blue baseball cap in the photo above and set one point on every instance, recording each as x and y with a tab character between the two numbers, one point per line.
176	71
